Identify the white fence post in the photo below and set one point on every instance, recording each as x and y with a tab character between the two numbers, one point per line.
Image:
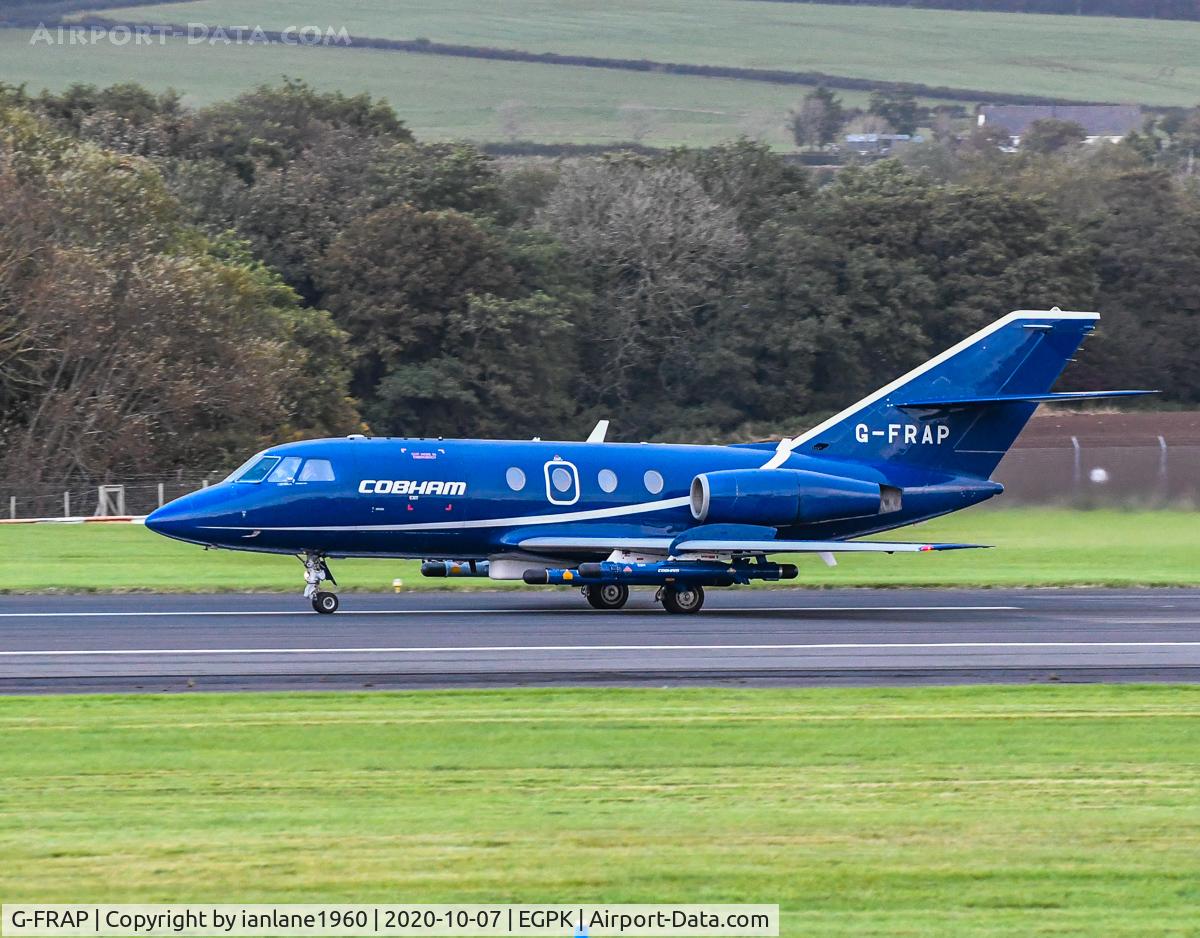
12	506
1078	473
161	500
66	504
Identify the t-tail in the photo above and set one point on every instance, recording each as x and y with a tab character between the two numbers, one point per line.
960	411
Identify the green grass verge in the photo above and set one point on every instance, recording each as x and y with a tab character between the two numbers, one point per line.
1033	547
957	811
1081	57
440	98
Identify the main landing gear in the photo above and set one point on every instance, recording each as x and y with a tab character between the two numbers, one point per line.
680	582
607	595
315	571
680	599
676	598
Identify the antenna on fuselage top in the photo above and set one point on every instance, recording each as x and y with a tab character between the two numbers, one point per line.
599	432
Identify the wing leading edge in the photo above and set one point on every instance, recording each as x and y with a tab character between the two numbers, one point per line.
567	544
814	547
681	545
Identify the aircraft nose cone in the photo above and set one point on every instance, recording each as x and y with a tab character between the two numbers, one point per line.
181	518
168	520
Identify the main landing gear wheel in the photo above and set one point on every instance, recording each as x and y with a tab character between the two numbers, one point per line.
683	599
325	603
607	595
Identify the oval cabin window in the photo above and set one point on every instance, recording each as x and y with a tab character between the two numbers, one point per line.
561	479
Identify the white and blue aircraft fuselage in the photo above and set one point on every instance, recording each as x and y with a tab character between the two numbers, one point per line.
607	516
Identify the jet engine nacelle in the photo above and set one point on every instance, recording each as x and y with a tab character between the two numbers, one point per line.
783	497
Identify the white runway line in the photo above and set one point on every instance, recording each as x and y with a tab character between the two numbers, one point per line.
487	612
434	650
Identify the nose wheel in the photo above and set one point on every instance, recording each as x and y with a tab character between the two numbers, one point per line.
325	603
316	571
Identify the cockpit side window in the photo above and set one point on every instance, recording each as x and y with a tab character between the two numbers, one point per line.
254	470
317	470
237	473
285	472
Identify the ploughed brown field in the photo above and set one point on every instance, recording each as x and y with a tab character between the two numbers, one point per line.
1050	429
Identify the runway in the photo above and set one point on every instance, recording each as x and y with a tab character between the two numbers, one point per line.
539	638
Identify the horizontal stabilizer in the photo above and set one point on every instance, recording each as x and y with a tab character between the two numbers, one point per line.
1047	398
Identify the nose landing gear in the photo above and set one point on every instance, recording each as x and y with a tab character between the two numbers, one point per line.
315	571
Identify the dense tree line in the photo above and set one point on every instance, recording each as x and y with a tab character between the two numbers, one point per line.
178	286
129	337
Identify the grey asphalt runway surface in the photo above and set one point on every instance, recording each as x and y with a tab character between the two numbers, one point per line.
551	637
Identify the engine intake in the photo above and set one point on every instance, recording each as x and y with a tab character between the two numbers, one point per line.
784	497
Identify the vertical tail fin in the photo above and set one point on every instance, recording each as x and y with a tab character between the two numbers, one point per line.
960	411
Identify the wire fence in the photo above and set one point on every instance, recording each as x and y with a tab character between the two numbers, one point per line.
1098	476
133	496
1078	475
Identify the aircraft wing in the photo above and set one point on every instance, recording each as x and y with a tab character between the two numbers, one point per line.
681	544
811	547
575	544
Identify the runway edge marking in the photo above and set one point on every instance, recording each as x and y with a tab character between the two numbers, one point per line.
491	612
832	646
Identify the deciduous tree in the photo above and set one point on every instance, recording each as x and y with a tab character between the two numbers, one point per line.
446	336
656	249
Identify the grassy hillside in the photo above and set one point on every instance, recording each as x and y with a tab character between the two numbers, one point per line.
1033	548
443	97
956	811
1089	58
439	97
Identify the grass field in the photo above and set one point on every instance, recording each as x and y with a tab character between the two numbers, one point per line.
438	97
1089	58
1033	547
957	811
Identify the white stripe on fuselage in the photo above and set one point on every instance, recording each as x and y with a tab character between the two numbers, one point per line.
520	520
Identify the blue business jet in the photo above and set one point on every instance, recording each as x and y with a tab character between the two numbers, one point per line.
607	516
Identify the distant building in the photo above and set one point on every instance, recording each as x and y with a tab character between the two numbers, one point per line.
1099	121
878	144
